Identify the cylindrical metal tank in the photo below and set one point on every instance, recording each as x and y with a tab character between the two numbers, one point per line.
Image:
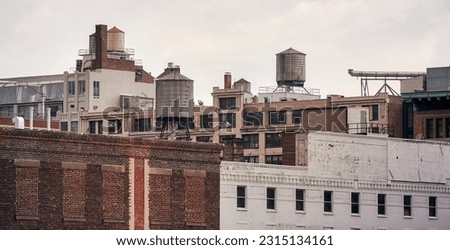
175	95
291	68
116	39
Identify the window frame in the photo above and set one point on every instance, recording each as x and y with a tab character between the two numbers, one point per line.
299	201
241	200
271	196
407	205
432	206
355	200
327	201
381	204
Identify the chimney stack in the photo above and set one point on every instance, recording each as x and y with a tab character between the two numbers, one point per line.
227	80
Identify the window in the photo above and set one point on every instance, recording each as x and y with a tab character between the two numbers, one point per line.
96	127
439	128
253	118
142	125
296	117
429	128
228	120
407	205
277	117
381	204
374	112
227	103
274	159
115	126
71	88
224	138
447	122
64	126
251	159
74	127
81	87
432	205
206	121
204	139
355	203
327	201
274	140
240	192
300	200
250	141
96	89
270	198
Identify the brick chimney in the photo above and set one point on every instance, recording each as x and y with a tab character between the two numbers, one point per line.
227	80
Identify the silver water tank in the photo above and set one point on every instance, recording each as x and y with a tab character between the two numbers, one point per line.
291	68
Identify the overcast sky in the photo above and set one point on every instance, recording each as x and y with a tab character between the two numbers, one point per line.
208	38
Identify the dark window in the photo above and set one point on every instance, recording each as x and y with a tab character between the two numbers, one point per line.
439	128
430	128
328	201
270	201
228	120
447	121
296	117
241	196
300	200
407	209
92	127
71	88
227	103
251	141
142	125
206	121
96	89
253	118
381	204
274	140
74	127
64	126
251	159
223	138
375	112
274	159
204	138
355	203
432	206
81	87
277	117
115	126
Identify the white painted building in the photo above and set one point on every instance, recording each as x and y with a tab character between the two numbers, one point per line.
345	182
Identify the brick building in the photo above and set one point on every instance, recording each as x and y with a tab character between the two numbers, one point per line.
53	180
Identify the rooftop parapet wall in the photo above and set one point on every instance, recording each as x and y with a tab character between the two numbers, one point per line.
364	157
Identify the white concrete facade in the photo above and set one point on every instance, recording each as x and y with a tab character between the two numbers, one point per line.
395	169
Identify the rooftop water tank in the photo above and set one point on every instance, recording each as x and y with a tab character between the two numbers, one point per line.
116	39
291	68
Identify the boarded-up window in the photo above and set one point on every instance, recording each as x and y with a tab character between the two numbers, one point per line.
27	189
159	200
114	188
195	196
74	196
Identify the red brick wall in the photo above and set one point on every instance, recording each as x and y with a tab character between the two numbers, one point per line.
60	163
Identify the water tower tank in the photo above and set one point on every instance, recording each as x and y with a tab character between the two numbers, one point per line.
175	95
116	39
291	68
